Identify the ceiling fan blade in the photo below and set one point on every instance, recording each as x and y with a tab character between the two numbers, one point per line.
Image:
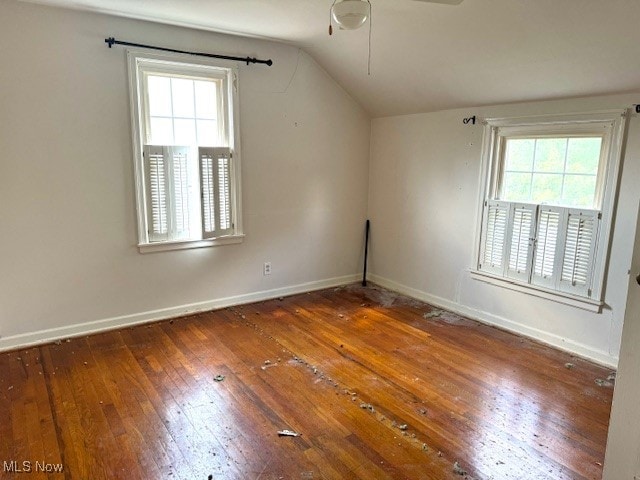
446	2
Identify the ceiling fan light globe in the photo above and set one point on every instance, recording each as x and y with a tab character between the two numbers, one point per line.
350	14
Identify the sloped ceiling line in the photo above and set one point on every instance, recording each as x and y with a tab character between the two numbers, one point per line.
428	57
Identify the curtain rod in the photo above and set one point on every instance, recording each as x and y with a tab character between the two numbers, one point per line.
112	41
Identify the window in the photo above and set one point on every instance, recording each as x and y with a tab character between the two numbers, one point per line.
547	203
186	152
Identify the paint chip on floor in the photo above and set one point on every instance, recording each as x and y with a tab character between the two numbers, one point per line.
603	383
367	406
458	470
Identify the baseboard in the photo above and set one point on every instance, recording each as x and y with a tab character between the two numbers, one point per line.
51	335
584	351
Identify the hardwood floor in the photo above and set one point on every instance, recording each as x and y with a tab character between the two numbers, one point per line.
375	389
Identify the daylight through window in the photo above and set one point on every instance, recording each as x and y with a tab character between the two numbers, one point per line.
548	201
187	160
559	171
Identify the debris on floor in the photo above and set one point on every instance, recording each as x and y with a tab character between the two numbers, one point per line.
569	365
58	342
403	427
612	377
287	433
603	383
458	470
218	378
432	314
268	364
367	406
424	447
384	298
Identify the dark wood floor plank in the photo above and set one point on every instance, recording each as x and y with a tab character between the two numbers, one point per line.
159	404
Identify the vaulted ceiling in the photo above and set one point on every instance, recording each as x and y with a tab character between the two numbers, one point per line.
427	57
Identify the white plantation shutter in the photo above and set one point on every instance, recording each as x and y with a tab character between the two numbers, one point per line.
215	175
579	251
552	247
547	248
157	188
166	192
521	229
494	236
178	158
224	191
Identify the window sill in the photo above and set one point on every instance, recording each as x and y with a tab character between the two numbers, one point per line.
560	297
185	244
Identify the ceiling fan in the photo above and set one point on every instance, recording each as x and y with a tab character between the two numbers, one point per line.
352	14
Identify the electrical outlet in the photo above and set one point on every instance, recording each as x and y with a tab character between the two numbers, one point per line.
267	268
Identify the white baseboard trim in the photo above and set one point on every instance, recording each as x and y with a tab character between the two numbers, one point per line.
584	351
80	329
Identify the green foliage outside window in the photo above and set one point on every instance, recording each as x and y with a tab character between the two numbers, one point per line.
556	171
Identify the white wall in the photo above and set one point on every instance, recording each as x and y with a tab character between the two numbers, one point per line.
423	202
69	260
622	459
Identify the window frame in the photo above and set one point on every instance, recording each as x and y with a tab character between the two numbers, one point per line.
496	131
139	61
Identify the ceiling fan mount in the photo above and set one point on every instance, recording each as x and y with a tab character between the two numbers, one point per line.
352	14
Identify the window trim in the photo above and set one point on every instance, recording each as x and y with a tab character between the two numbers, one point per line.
186	244
489	178
194	66
538	291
